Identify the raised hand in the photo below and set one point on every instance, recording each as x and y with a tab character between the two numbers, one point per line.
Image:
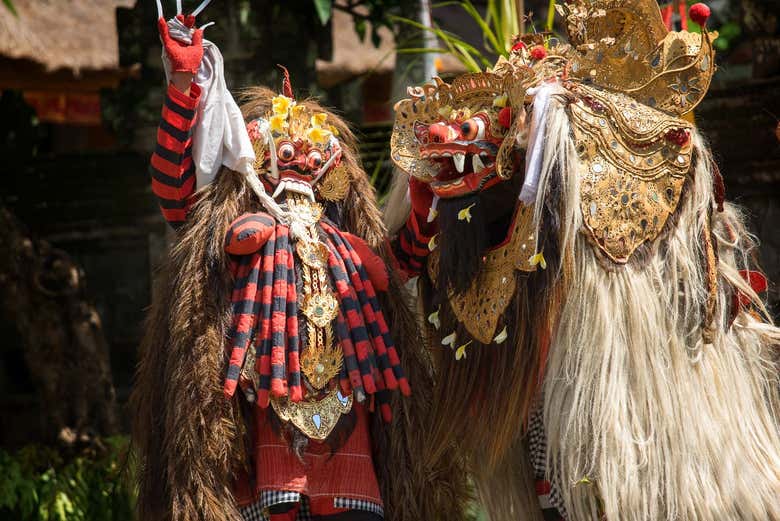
184	57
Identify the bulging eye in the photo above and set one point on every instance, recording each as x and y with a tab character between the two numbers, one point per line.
314	161
286	152
472	129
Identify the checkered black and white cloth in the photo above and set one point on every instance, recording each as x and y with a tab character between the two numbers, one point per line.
546	486
259	511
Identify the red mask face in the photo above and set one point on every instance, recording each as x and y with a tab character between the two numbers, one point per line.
300	163
465	149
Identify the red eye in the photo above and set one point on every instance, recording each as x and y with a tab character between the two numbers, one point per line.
472	129
286	152
314	161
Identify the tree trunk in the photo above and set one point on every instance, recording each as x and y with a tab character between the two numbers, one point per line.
43	296
409	68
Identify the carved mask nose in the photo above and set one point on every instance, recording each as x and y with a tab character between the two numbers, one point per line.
441	133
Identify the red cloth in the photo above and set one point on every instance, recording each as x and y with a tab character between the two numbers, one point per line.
373	263
421	197
349	473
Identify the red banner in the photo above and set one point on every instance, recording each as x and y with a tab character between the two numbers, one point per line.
72	109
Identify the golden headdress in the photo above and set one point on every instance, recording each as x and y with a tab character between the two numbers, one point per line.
624	46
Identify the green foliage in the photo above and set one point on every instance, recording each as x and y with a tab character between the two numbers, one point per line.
372	13
498	25
38	483
324	10
10	5
728	34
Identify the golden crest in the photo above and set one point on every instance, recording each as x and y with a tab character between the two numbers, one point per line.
631	172
482	305
335	185
624	46
315	418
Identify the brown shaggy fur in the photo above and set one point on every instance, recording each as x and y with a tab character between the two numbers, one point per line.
185	433
189	439
482	403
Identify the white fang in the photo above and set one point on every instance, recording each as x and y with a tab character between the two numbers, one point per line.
459	159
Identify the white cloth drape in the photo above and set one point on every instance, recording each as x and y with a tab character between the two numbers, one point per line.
220	136
536	139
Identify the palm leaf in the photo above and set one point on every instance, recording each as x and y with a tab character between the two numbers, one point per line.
9	4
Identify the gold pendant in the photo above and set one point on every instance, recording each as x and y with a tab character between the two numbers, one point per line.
322	359
313	254
316	419
320	308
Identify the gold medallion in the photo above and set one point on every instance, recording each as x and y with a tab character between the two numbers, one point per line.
320	308
313	254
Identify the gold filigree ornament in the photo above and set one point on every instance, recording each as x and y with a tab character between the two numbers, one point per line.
481	306
631	171
320	308
322	365
624	46
321	359
315	418
335	184
312	253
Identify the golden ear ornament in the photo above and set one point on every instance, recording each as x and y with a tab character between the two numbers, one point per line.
260	148
631	171
335	184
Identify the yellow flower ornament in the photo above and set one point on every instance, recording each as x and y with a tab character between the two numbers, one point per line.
317	120
318	135
281	105
278	123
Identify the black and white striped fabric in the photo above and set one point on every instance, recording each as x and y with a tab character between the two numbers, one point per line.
358	504
547	489
259	511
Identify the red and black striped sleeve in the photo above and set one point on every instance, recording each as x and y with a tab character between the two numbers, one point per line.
411	246
172	167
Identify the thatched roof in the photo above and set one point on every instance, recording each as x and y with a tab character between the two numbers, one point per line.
62	34
353	57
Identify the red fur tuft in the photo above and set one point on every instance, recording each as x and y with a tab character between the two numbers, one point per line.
286	85
699	13
538	52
